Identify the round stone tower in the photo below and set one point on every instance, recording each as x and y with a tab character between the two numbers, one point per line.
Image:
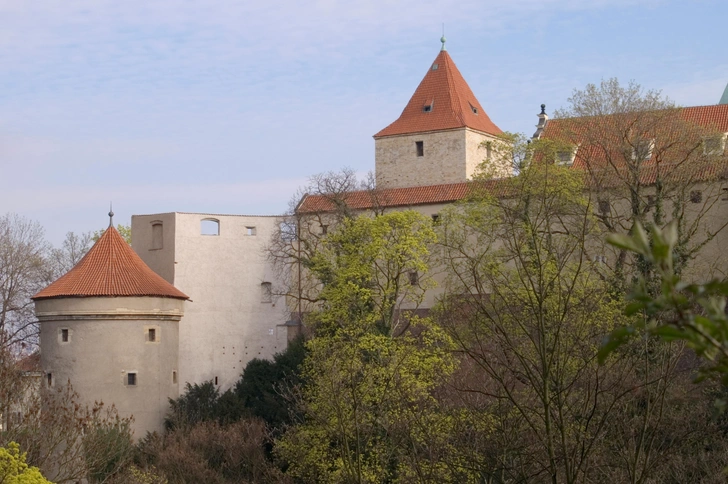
110	327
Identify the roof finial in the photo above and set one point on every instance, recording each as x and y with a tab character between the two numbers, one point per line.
443	39
543	109
111	215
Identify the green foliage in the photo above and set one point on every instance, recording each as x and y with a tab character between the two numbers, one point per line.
14	470
680	311
264	387
107	446
199	403
365	267
371	367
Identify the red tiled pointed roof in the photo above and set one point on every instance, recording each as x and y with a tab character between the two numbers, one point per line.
453	104
111	268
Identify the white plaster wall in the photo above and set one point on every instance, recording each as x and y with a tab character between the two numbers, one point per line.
107	339
227	324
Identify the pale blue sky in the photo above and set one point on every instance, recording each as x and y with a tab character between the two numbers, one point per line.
227	106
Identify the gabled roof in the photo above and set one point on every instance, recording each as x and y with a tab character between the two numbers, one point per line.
713	118
111	268
452	104
401	197
678	129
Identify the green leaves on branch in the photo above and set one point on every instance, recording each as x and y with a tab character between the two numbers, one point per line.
676	310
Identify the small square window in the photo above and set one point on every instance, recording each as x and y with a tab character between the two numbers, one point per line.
427	108
131	379
64	335
420	146
250	231
696	196
435	218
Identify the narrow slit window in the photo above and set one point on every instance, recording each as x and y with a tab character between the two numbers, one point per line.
215	380
174	377
131	379
49	379
210	226
64	335
420	147
152	335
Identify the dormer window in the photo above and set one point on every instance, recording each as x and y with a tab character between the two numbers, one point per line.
434	67
473	109
427	108
642	150
566	156
714	145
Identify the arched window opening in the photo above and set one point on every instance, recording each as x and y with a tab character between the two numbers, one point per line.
157	230
210	226
266	292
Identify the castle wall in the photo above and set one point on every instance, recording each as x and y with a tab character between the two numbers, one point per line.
447	157
108	338
232	318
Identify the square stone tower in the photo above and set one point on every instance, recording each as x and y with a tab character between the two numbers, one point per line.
442	135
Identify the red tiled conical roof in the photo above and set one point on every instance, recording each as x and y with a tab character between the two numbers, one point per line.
452	104
110	268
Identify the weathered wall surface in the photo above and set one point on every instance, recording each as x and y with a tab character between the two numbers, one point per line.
231	319
447	157
107	339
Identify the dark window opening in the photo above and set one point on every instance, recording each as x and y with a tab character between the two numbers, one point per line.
324	229
49	379
436	218
414	278
215	380
427	108
64	335
174	377
604	207
420	145
152	334
266	292
131	379
157	230
696	196
725	193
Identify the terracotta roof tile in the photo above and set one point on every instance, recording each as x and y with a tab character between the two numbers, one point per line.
401	197
110	268
453	104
